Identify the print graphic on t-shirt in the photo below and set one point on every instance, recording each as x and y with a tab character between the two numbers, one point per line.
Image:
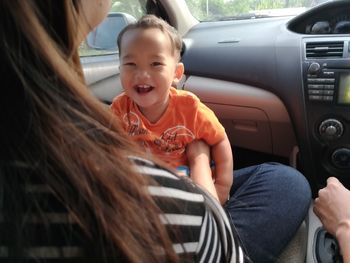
171	141
133	124
174	139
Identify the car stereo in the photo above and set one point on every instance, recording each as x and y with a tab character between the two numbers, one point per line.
328	82
326	90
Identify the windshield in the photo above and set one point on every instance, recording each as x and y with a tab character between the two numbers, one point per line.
215	10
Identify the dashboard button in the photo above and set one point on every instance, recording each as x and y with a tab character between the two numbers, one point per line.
329	86
328	80
315	97
328	73
316	80
328	98
328	92
314	68
341	158
315	92
313	86
331	129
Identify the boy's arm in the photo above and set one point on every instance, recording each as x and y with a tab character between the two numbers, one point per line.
222	156
198	155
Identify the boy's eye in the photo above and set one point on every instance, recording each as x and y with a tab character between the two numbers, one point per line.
155	64
129	64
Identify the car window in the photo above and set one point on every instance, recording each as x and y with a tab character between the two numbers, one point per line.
102	40
216	10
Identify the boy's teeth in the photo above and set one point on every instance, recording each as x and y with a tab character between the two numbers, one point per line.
143	88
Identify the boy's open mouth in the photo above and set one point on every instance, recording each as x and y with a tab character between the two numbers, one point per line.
143	88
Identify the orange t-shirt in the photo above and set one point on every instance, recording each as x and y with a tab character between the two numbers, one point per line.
185	119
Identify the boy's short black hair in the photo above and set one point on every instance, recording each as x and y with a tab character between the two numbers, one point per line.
151	21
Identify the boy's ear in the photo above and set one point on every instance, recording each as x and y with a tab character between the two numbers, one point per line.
179	71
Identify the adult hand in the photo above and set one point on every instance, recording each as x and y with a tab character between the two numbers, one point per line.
333	205
333	208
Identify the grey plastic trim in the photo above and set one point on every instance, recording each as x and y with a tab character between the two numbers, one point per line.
97	68
230	93
102	76
180	16
314	224
257	119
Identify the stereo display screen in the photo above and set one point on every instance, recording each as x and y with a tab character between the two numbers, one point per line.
344	88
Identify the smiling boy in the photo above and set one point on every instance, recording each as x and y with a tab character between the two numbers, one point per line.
163	119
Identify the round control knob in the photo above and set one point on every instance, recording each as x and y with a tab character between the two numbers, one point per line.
341	158
331	129
314	68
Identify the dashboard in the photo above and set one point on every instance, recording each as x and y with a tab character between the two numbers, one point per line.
303	61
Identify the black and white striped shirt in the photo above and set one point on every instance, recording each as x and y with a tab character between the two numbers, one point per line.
206	232
203	230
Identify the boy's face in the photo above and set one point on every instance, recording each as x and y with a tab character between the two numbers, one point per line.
148	67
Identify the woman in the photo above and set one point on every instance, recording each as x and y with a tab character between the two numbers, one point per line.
69	190
71	187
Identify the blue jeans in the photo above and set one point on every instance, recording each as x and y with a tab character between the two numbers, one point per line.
267	204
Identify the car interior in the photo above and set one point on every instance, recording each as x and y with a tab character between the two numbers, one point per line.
280	85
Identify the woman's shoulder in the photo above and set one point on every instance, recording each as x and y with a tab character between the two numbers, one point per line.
200	219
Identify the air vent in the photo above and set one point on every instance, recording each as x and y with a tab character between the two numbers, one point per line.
324	49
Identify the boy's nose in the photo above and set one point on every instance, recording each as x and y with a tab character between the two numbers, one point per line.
142	74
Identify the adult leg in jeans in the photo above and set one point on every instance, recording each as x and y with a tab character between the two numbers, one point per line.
267	205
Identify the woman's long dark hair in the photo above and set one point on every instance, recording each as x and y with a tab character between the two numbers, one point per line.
53	130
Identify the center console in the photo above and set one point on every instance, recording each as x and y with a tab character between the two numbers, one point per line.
326	82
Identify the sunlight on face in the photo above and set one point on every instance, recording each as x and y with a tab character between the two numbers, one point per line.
148	67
